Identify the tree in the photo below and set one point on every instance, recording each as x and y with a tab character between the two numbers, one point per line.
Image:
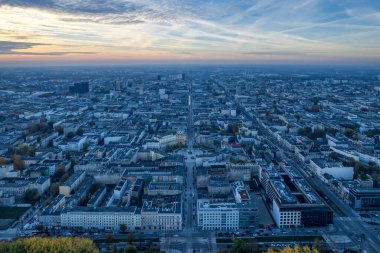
80	132
59	129
2	161
31	196
47	245
130	237
85	146
70	135
152	250
61	170
18	163
334	155
350	133
239	246
130	249
233	129
54	187
123	228
64	177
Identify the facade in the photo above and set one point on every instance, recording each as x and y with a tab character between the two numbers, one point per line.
364	198
217	216
98	218
294	203
162	213
248	210
320	167
72	183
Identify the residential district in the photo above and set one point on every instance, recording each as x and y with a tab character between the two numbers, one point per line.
187	159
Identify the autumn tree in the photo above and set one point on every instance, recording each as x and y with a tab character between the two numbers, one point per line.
54	187
49	245
18	163
59	129
108	238
65	176
2	161
130	237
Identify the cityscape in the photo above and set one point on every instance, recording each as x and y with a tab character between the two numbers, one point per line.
188	160
189	126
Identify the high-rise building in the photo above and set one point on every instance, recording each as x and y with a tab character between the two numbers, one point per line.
82	87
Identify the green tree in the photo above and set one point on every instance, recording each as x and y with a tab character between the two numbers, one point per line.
85	146
80	132
152	250
130	249
123	228
239	246
233	129
334	155
31	196
70	135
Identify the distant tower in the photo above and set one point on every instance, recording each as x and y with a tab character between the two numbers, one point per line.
141	90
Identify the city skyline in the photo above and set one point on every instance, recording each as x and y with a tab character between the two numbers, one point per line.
313	32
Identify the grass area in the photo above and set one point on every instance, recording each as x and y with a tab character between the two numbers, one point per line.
10	212
274	239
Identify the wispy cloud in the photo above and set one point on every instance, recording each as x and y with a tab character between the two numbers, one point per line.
194	29
13	48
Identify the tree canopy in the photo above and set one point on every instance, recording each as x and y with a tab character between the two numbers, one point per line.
49	245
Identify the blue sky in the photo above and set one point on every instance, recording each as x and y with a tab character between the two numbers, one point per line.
192	31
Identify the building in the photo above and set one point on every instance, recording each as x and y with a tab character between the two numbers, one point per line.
51	216
98	197
217	216
294	203
248	210
120	188
101	218
72	183
364	198
82	87
162	213
335	169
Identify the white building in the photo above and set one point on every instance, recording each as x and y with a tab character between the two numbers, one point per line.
288	218
217	216
163	213
97	218
335	169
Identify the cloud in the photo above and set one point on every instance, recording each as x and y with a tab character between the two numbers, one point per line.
11	47
212	29
107	11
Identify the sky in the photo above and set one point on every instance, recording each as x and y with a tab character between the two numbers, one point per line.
69	32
